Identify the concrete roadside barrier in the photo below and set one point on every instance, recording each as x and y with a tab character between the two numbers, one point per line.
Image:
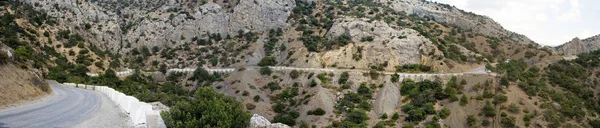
138	111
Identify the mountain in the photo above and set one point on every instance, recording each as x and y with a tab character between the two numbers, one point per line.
578	46
339	63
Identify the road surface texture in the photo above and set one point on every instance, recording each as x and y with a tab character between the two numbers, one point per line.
66	107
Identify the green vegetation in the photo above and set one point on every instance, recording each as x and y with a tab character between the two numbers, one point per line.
267	61
413	68
343	78
207	108
265	71
423	96
318	112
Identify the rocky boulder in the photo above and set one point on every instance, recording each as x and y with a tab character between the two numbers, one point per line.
158	77
258	121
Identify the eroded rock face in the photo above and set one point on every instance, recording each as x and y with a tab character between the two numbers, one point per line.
171	23
578	46
398	46
258	121
454	16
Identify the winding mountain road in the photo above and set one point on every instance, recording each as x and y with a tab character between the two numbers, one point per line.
66	107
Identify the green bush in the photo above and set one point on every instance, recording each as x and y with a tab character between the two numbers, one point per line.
208	108
488	110
267	61
471	120
513	108
265	71
294	74
318	112
343	78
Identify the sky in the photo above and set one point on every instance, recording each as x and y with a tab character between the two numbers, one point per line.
547	22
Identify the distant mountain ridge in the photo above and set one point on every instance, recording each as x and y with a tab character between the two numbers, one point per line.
578	46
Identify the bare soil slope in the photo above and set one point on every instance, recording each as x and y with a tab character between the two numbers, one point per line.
20	85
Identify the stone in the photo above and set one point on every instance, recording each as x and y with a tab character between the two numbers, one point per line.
158	77
258	121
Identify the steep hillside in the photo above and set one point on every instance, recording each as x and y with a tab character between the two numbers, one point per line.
347	63
19	84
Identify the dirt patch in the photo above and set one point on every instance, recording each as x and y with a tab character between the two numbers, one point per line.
19	86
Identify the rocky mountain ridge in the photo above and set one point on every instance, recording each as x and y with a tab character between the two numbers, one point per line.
578	46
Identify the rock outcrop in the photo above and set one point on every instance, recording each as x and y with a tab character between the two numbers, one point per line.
258	121
578	46
394	46
454	16
119	25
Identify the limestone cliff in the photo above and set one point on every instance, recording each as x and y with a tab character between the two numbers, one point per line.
117	25
577	46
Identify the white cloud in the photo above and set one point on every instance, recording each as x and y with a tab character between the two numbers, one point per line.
573	14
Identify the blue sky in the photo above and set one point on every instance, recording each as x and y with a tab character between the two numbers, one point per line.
547	22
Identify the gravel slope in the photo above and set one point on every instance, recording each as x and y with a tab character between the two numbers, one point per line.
66	107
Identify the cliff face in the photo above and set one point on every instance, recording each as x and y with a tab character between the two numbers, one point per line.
456	17
114	25
577	46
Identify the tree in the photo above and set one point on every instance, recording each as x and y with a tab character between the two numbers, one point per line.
343	78
318	112
294	74
464	100
265	71
357	116
267	61
513	108
445	112
395	78
207	108
471	120
396	116
488	110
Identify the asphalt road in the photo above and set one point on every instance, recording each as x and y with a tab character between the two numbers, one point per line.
66	107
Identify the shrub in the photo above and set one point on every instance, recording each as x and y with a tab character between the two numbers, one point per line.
323	77
384	116
396	116
445	112
464	100
312	83
373	74
318	112
343	78
594	123
485	123
471	120
488	110
395	78
206	106
294	74
513	108
507	122
366	38
265	71
256	98
267	61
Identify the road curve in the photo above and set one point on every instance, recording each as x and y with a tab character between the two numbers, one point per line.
64	108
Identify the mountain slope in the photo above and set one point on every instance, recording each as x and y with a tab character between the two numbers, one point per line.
578	46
